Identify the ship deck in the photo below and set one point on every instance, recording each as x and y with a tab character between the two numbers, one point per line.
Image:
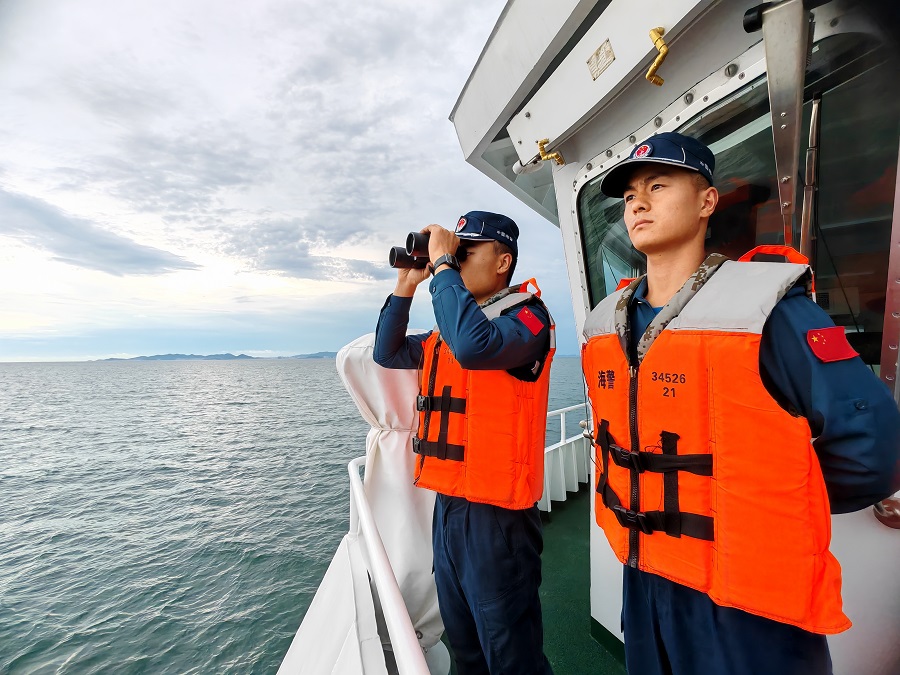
572	639
570	634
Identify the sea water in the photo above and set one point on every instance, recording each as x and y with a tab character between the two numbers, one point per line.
174	517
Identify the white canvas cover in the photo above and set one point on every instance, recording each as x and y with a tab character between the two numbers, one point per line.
403	512
339	635
343	630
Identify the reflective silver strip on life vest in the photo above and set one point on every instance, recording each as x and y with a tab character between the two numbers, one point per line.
602	319
740	296
497	307
498	303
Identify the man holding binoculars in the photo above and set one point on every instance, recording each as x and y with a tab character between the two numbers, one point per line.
482	404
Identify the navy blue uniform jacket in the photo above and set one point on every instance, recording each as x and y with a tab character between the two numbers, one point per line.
476	342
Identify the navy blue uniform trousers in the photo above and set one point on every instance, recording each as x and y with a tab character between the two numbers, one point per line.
671	629
487	568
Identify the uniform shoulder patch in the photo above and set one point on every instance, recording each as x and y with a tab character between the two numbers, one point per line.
532	323
830	344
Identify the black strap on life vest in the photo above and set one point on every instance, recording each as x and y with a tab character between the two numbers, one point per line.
648	522
423	403
449	451
444	405
417	440
604	442
671	519
667	462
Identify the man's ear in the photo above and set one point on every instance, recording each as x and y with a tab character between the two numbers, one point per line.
504	263
710	198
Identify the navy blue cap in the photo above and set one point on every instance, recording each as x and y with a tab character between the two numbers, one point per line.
485	226
665	148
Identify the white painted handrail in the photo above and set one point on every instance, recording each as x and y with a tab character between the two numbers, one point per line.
566	463
407	651
562	420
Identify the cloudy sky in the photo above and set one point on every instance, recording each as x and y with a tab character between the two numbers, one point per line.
205	176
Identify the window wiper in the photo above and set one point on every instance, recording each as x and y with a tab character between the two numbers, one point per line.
787	36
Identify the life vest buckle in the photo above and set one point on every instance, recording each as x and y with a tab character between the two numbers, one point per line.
423	403
627	459
633	520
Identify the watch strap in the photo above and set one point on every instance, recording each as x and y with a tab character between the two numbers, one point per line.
447	259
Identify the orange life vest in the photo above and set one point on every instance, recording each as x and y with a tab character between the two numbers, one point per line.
702	477
481	432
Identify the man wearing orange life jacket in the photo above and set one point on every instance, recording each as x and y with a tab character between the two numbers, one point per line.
482	416
709	491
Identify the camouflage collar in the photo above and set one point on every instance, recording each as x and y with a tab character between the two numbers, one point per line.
670	311
499	295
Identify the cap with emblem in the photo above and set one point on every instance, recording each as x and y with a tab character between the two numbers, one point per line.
666	148
486	226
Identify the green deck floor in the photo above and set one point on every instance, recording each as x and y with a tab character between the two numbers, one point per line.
565	595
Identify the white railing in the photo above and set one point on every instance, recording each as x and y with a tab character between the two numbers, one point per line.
407	652
567	463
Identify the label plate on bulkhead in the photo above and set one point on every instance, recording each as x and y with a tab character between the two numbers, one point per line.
601	59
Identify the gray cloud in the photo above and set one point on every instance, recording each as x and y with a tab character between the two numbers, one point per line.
118	92
334	113
170	174
79	242
284	246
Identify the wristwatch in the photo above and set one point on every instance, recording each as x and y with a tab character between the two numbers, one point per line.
447	259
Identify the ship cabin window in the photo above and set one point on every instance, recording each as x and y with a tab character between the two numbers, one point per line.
858	152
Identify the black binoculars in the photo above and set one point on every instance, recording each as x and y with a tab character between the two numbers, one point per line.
415	255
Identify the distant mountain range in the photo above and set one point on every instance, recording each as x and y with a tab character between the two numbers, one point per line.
222	357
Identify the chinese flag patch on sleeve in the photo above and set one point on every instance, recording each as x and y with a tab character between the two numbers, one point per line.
531	322
830	344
